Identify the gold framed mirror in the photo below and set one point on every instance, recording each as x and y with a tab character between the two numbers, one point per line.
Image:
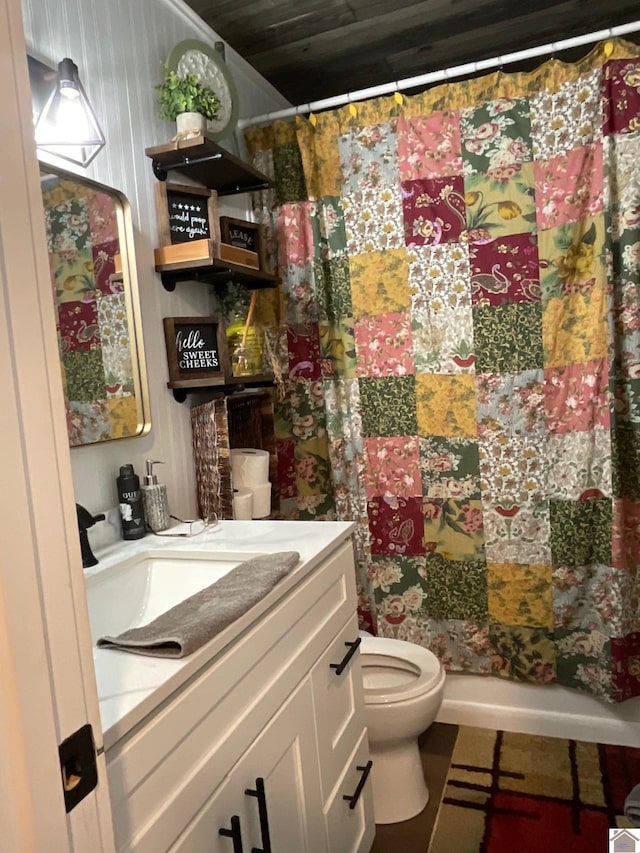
94	283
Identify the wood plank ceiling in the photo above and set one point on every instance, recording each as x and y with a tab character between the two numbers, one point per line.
314	49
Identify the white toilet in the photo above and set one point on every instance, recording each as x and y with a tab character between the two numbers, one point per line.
403	690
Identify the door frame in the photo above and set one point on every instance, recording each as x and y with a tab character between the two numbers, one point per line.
48	688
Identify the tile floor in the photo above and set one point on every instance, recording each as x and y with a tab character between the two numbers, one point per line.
412	836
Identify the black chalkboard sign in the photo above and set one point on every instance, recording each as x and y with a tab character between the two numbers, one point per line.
186	214
196	351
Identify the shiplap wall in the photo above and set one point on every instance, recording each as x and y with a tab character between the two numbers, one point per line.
119	47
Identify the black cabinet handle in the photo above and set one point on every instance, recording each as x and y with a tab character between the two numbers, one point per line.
234	833
340	667
353	798
259	792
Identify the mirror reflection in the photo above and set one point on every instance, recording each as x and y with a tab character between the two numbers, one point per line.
90	245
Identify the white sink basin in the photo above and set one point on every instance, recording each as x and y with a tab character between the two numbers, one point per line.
137	590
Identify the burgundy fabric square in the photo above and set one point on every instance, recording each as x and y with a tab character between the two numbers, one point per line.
79	330
304	352
286	484
621	83
104	267
433	210
625	659
505	270
396	526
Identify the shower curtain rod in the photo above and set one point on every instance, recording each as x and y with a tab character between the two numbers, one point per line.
444	74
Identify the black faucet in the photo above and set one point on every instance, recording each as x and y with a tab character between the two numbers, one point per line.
85	521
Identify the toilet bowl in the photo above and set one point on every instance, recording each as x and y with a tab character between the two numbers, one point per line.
403	690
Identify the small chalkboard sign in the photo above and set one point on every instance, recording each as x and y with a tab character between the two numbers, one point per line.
243	235
186	214
196	351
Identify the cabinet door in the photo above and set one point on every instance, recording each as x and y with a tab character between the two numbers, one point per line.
285	758
349	812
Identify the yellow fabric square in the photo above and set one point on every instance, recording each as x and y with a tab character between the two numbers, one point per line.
379	282
123	416
574	328
446	405
520	594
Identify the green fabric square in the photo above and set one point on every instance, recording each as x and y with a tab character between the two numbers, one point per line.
388	406
508	338
333	288
625	462
626	409
522	654
398	575
327	221
580	532
450	467
456	589
84	375
290	184
590	673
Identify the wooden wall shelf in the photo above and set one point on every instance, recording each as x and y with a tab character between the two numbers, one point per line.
207	163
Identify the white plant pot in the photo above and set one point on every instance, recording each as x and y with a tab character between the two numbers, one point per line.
191	124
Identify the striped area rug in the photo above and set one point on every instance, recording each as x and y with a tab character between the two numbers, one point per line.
515	793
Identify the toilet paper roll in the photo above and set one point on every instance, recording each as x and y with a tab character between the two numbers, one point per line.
249	467
261	500
242	504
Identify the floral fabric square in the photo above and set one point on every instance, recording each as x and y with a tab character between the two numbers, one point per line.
569	186
505	270
379	283
373	220
508	339
433	210
398	575
454	528
298	286
123	415
338	349
461	645
429	146
368	157
343	409
567	118
512	469
332	289
327	221
308	415
395	526
516	533
626	534
446	405
388	406
73	276
625	654
286	468
304	351
511	404
456	589
584	661
450	468
78	323
579	464
593	598
441	317
576	397
312	469
495	135
581	531
295	245
113	326
393	467
88	422
383	345
522	653
498	205
104	267
621	85
621	156
520	595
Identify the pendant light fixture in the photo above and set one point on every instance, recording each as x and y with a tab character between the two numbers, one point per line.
67	126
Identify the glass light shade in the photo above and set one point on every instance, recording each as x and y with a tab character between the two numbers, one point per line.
67	126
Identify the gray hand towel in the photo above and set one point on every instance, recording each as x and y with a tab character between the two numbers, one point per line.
632	806
194	621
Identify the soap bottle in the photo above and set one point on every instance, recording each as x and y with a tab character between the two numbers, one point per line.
154	500
130	503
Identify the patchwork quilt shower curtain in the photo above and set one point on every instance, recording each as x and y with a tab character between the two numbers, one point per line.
461	275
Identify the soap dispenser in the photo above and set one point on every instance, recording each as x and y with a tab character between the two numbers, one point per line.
154	500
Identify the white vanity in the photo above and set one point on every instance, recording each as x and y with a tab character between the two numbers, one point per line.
260	733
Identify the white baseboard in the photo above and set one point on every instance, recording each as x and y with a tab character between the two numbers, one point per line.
490	702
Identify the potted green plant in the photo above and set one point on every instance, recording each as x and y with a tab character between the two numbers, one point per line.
186	101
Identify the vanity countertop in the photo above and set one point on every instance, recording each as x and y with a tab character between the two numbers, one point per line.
129	685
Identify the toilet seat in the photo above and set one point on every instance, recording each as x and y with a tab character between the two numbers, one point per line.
404	670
